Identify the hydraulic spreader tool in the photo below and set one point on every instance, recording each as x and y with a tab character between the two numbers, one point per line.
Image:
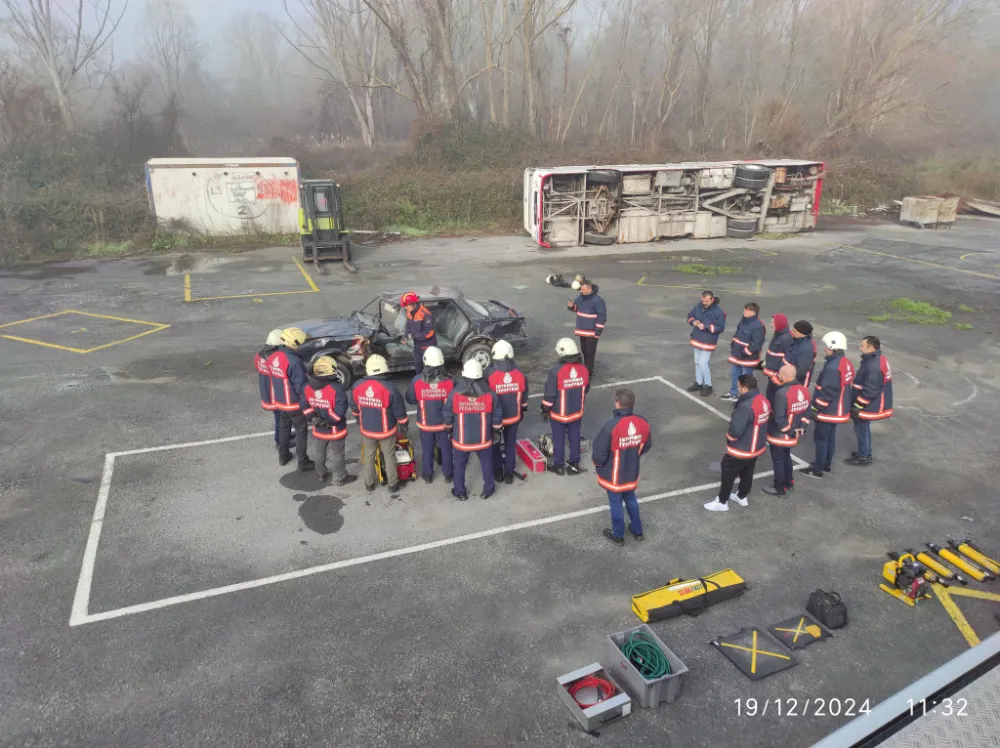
960	563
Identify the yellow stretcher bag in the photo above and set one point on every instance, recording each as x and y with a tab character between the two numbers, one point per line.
689	596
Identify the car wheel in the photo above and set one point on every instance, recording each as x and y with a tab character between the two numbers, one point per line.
751	176
590	237
345	373
480	352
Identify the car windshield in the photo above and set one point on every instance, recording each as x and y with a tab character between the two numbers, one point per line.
364	320
477	308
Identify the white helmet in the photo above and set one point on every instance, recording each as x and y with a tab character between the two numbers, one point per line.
472	369
835	341
274	337
376	365
575	285
433	357
502	349
567	347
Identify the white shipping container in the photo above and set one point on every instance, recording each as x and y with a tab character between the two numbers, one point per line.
219	196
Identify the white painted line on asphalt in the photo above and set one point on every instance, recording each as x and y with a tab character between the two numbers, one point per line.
81	601
84	618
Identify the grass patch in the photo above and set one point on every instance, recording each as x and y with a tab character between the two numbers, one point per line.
879	317
770	235
707	270
964	308
109	249
917	312
963	326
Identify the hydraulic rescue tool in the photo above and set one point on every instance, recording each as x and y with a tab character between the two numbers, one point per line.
969	550
960	563
937	567
689	596
907	577
930	575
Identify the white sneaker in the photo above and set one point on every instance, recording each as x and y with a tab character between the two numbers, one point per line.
716	506
738	500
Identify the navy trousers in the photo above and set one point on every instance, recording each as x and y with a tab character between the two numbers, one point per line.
505	464
427	440
560	432
485	462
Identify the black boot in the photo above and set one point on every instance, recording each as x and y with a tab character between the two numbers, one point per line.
695	387
606	532
508	478
557	469
284	459
573	468
858	461
305	465
707	390
347	480
461	496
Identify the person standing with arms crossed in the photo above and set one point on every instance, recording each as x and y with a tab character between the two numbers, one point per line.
802	352
616	452
831	402
872	398
591	316
745	442
707	321
745	348
789	406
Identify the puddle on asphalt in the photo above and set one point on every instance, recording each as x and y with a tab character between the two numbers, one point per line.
46	272
183	264
320	513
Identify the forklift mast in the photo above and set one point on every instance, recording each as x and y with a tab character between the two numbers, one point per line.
321	222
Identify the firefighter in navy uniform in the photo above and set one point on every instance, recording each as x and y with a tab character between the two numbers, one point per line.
328	413
472	416
419	326
591	316
872	397
802	352
288	385
789	409
264	378
562	402
745	348
774	359
745	442
617	449
511	387
428	391
831	402
381	415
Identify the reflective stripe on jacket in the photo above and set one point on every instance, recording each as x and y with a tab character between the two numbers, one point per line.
591	315
420	326
748	342
776	355
264	377
873	387
379	408
714	320
802	354
565	392
429	397
511	386
471	412
288	380
745	438
832	395
617	448
790	406
328	402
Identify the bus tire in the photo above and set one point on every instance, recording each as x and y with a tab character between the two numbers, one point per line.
603	176
589	237
751	176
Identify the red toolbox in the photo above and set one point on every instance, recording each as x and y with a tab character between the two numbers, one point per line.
530	456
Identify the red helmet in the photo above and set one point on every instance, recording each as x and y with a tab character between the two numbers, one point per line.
409	298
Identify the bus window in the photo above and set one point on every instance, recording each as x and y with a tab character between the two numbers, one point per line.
534	207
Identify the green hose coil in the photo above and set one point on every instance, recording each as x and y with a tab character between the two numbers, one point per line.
648	659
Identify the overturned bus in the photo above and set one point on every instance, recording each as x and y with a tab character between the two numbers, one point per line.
567	206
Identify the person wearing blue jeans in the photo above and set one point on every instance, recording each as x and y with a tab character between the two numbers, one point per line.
702	368
616	452
745	348
707	322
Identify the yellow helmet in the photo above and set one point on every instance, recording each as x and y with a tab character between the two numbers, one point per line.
376	365
325	366
292	337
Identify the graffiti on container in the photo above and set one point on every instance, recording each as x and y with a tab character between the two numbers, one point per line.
247	195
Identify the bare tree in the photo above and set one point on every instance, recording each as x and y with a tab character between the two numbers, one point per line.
67	39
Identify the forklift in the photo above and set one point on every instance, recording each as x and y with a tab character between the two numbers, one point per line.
321	223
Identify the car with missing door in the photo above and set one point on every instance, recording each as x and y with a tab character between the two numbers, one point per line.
465	329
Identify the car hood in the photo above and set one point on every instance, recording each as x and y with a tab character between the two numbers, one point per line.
333	327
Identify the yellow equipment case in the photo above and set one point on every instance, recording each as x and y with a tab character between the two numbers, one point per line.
689	596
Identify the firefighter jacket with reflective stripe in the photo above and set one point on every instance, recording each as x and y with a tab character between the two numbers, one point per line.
802	354
832	396
789	408
591	315
471	413
617	449
748	342
714	320
873	387
379	408
747	433
565	391
328	406
429	391
776	354
288	380
511	386
420	326
264	377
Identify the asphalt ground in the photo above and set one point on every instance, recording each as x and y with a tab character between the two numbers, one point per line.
230	602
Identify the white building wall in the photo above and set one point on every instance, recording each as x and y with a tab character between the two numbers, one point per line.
225	196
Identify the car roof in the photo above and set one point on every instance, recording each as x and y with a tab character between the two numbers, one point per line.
426	293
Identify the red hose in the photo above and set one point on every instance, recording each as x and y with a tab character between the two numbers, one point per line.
605	690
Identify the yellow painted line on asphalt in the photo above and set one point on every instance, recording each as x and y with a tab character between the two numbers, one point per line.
945	595
155	327
756	291
35	319
313	288
910	259
972	254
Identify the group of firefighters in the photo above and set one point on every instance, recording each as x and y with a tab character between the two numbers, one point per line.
480	410
779	417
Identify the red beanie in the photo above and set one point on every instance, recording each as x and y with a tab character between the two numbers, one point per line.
780	322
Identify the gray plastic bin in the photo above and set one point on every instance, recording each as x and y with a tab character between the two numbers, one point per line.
648	693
